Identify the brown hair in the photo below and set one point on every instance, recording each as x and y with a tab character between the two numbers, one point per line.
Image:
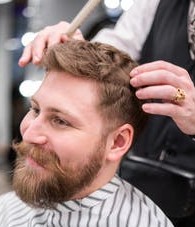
110	69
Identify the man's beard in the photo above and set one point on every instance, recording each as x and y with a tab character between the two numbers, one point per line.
51	182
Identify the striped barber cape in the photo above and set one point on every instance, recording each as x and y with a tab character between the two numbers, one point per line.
117	204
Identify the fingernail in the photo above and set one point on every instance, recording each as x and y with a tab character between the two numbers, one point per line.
146	108
21	62
134	72
133	81
21	59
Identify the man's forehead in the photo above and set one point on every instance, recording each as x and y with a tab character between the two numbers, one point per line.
61	90
68	88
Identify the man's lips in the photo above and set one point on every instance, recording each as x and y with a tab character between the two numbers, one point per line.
31	162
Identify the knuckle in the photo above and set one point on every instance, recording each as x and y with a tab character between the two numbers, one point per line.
62	23
184	71
46	29
160	62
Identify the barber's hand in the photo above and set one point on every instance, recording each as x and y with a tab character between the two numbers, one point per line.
45	38
160	81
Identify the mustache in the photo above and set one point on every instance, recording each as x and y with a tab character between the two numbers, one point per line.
46	158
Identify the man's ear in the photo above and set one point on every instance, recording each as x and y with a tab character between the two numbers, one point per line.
120	142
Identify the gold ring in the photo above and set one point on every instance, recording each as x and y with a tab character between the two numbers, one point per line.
180	95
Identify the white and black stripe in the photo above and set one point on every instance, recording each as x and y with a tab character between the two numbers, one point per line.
117	204
191	28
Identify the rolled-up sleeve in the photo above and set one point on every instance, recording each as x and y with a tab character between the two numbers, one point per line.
132	28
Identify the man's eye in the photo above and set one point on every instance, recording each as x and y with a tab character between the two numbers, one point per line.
60	122
34	110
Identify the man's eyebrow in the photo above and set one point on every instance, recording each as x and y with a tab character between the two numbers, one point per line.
32	99
56	110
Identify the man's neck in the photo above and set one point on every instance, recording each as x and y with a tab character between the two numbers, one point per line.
103	177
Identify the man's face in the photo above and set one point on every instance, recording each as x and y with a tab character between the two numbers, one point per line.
62	150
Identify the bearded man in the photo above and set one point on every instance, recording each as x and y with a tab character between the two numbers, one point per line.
82	121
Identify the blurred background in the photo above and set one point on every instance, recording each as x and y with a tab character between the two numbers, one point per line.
20	20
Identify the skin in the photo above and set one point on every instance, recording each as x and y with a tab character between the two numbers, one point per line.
160	79
46	38
63	117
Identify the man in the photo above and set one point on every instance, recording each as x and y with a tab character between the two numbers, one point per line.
82	121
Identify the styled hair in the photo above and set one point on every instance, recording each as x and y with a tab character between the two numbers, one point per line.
109	68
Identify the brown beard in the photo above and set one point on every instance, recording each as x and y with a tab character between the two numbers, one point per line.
53	183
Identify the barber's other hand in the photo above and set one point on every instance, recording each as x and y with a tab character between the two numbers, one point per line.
45	38
159	81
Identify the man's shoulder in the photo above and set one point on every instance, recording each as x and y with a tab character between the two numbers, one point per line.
7	196
8	200
13	212
139	197
139	202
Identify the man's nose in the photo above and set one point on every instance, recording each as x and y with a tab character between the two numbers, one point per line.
35	132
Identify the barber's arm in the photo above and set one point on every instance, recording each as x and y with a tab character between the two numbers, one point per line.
129	34
172	85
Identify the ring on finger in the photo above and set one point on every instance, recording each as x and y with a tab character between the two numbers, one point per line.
179	96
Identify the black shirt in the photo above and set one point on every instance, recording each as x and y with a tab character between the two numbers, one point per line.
168	41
